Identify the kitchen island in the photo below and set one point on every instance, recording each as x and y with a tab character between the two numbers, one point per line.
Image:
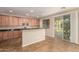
28	35
32	35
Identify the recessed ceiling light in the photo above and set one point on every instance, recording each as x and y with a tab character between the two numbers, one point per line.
10	11
31	11
26	14
37	16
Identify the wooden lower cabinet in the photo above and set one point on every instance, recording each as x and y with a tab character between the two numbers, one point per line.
5	35
10	35
0	36
17	34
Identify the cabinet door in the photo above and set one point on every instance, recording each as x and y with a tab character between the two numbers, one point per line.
30	22
15	19
7	20
34	22
24	20
0	21
5	35
1	36
20	34
37	22
20	21
10	34
3	21
15	34
10	20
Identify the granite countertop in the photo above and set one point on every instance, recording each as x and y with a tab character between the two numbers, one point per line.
16	28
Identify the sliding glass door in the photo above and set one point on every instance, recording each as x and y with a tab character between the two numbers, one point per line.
66	27
58	27
62	27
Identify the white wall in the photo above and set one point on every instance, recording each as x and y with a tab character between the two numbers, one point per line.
74	27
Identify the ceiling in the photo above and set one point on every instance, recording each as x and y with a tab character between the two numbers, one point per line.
32	11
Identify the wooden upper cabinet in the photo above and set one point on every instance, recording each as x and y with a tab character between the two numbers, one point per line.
3	21
24	20
35	22
11	21
20	21
6	20
38	22
15	21
30	22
